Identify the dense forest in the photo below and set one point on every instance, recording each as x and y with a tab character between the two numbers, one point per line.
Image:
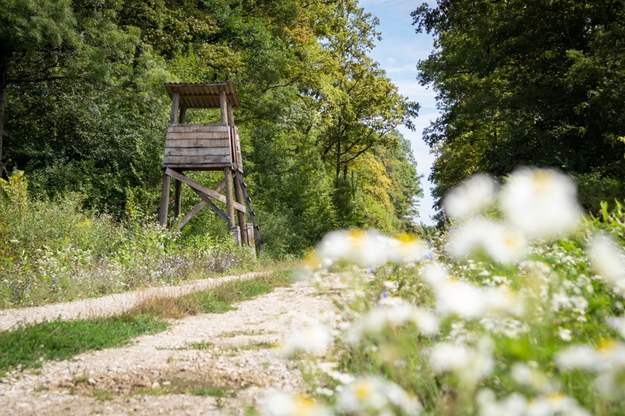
84	109
528	83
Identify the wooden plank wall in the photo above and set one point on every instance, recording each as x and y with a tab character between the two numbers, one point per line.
195	146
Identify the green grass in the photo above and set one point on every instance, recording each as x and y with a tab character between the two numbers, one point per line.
28	346
184	387
212	391
203	345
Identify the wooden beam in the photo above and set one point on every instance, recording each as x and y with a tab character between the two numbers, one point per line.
202	128
238	186
173	119
162	213
212	206
177	199
197	151
208	192
229	197
220	187
194	211
183	113
230	115
223	104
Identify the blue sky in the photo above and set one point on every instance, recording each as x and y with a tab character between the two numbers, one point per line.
398	53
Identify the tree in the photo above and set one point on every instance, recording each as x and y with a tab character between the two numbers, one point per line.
95	122
362	107
525	82
90	121
34	36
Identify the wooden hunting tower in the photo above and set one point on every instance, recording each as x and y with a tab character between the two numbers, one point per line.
207	147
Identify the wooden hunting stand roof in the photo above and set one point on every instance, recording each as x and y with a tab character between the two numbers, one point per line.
202	95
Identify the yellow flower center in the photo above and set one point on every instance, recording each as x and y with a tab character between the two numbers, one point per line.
555	396
363	390
512	240
312	260
405	238
356	238
303	406
542	180
605	345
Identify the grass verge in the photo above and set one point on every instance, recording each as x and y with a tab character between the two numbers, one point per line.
29	346
216	300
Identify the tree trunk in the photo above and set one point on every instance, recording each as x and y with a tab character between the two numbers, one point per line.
4	69
338	156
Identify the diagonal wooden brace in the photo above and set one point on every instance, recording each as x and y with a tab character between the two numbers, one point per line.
203	189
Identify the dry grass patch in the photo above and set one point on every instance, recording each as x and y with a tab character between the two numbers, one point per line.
215	300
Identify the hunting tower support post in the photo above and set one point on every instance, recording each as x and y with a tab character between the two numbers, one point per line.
207	147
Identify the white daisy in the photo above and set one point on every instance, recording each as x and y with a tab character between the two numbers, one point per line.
542	203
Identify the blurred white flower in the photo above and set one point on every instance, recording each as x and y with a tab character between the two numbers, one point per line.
565	334
503	244
331	370
555	404
435	274
314	339
406	249
508	327
368	249
518	405
579	357
281	404
373	395
609	355
513	405
390	313
458	297
542	203
608	260
532	377
469	364
468	238
461	298
617	323
471	197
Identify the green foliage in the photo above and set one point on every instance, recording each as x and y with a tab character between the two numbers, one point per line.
86	110
611	220
530	83
28	346
53	251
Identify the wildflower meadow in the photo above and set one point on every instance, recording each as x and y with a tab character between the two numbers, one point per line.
516	309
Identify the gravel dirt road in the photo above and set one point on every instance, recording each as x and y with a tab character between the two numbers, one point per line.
201	365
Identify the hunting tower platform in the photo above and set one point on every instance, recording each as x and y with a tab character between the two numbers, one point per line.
207	147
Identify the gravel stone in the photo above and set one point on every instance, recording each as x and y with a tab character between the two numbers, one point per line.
158	374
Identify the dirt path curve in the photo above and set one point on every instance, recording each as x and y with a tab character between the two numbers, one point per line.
106	305
205	364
